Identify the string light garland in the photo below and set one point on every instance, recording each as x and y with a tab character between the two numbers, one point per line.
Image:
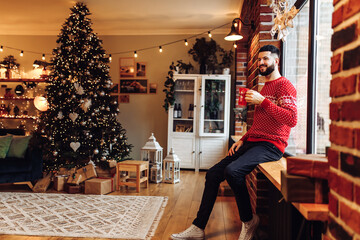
129	51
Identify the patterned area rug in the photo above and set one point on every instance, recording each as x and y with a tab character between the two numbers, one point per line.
76	215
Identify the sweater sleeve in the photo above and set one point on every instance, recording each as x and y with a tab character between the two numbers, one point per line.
285	111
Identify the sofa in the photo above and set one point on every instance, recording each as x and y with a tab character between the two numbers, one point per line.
20	169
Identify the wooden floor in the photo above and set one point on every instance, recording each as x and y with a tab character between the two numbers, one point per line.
183	201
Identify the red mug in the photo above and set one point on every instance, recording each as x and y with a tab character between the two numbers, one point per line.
242	93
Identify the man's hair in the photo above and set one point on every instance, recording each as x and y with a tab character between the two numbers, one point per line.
270	48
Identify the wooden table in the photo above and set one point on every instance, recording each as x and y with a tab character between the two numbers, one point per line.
133	166
310	211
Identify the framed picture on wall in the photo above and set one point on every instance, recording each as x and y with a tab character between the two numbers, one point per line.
140	69
133	85
127	67
124	98
152	87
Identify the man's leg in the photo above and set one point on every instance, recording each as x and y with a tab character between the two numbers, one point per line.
236	171
214	176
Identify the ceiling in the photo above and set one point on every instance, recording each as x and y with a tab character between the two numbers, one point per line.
120	17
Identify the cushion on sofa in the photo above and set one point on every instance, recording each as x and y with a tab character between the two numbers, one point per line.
5	142
18	146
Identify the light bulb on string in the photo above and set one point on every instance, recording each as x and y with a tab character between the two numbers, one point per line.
186	42
21	53
1	48
110	58
235	45
135	54
160	49
43	57
209	33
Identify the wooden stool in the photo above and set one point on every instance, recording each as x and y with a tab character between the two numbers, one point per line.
133	166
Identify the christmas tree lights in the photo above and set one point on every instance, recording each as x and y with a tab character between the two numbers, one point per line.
80	124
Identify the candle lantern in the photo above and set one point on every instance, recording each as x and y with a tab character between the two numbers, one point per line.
153	152
172	168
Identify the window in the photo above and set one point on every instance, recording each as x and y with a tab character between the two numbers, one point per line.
296	70
310	74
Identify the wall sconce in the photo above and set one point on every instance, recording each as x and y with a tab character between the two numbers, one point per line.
234	34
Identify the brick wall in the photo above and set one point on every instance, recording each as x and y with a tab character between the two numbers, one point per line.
247	75
344	154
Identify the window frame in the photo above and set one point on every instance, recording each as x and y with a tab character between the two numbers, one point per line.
312	73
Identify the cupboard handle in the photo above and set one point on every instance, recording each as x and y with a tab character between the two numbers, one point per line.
193	151
194	105
202	105
200	152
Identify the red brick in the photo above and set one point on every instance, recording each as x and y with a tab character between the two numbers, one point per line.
350	216
350	164
333	157
343	37
336	63
342	136
341	185
357	194
265	27
266	10
337	231
351	8
337	16
349	111
265	35
333	204
357	138
351	58
343	86
265	18
335	111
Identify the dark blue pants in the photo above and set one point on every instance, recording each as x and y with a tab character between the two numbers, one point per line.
234	169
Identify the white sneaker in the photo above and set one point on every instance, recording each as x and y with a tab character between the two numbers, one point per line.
248	228
191	233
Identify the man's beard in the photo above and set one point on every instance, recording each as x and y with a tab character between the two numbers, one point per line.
268	70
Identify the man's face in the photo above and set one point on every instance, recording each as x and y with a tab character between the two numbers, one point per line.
267	62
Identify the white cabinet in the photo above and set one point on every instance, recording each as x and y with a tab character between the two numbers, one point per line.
200	137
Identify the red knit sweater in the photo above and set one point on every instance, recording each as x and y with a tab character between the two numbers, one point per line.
276	115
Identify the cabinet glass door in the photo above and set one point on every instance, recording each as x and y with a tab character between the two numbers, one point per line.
213	106
183	111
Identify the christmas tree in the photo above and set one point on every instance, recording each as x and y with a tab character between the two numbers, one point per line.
80	124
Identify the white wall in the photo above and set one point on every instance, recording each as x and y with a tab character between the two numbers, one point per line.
144	114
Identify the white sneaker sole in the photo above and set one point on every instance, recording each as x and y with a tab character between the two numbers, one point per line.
187	238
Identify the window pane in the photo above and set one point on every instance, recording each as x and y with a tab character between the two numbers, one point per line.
323	74
296	70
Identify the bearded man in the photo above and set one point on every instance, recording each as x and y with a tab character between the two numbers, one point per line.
275	115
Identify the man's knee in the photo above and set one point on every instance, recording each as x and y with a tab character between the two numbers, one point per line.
233	174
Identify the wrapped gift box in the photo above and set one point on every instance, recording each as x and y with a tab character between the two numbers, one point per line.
310	165
59	182
87	172
113	179
43	184
108	173
75	179
98	186
112	163
74	188
65	171
303	189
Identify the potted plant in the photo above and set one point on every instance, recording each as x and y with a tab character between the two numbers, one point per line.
204	52
9	63
184	66
227	58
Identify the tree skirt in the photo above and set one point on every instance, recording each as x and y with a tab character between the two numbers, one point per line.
76	215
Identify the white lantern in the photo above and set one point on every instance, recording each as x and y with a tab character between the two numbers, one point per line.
156	173
153	152
172	168
41	103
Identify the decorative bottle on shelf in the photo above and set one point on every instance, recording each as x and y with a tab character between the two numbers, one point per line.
179	113
175	111
191	111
